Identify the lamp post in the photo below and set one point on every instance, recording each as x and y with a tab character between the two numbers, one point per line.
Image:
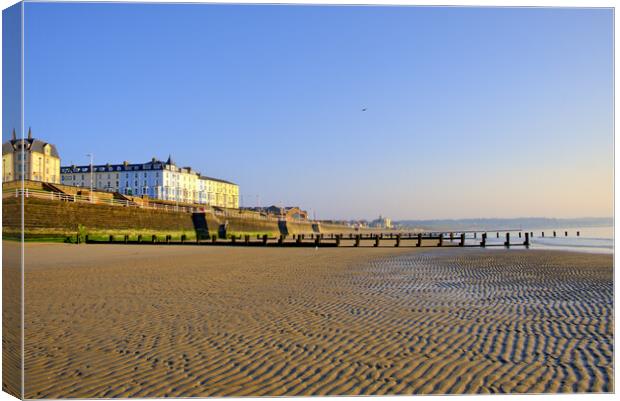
90	155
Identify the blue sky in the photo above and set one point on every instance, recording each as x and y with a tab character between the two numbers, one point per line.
471	112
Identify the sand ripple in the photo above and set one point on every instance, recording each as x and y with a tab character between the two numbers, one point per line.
304	322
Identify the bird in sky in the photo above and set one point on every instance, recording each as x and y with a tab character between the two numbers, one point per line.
364	109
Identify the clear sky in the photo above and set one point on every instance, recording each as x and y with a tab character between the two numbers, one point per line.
471	112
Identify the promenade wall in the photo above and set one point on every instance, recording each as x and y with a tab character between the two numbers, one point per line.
49	219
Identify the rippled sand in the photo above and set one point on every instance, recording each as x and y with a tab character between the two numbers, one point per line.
123	321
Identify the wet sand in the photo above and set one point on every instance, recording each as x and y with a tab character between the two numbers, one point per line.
155	321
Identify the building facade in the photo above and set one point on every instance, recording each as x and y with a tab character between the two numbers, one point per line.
156	179
30	159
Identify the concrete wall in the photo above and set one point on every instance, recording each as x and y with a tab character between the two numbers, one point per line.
50	218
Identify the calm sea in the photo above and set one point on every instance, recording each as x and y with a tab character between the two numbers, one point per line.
590	239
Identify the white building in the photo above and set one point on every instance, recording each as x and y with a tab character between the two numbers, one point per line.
156	179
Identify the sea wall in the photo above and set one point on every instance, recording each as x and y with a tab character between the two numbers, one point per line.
55	219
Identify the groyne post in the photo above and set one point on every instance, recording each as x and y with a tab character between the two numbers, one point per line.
483	243
507	243
419	243
451	237
377	239
337	239
440	240
498	234
554	233
462	243
527	240
397	244
543	234
357	240
578	233
264	239
566	233
519	234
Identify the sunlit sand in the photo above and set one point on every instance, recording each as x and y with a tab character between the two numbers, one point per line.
154	321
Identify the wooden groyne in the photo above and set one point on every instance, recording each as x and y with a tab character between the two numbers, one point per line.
414	240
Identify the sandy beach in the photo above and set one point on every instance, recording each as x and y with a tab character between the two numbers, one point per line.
155	321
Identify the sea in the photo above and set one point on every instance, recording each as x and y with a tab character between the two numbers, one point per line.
590	239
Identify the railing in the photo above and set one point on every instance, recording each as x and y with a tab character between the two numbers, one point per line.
94	199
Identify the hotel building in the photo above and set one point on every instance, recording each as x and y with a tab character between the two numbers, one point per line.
30	159
156	179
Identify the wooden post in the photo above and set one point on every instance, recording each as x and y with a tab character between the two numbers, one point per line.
543	234
357	240
139	238
377	239
451	236
298	240
498	234
233	239
566	233
483	243
507	243
86	239
317	240
440	239
475	235
519	234
247	239
554	233
264	239
126	238
183	238
214	238
419	243
153	238
111	238
280	239
168	238
578	233
397	244
527	240
337	240
462	239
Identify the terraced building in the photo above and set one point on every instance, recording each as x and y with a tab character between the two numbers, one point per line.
156	179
